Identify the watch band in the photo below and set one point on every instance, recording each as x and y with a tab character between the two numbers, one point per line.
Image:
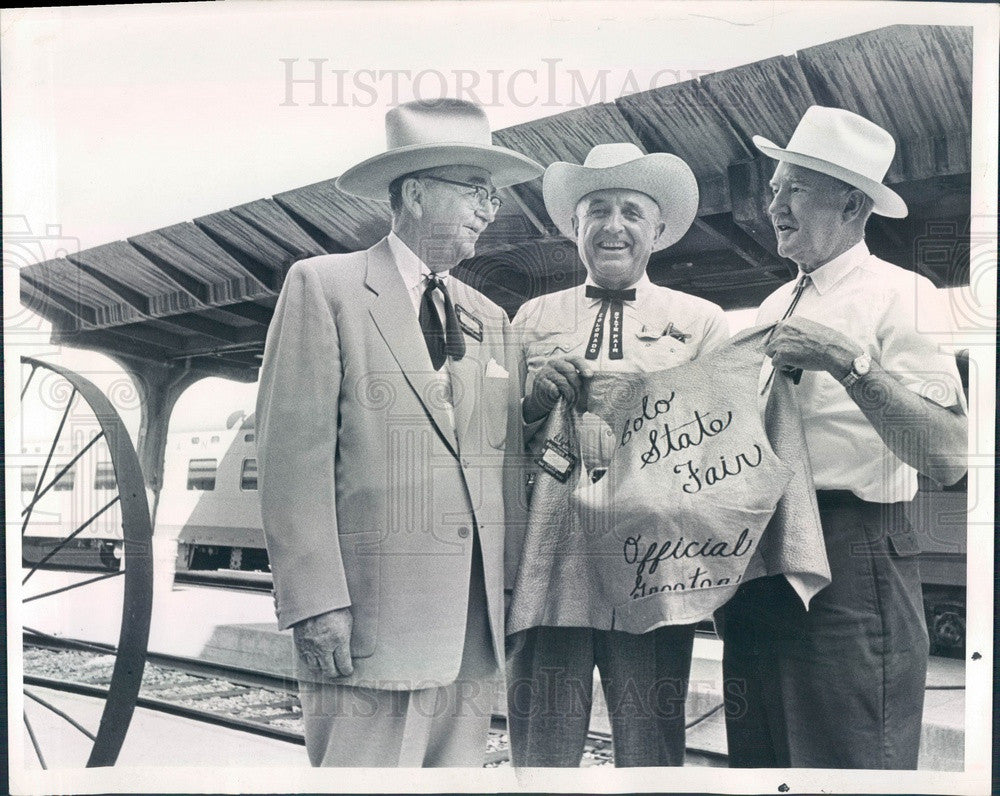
860	368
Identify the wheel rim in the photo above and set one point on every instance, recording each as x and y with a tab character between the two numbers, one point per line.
136	572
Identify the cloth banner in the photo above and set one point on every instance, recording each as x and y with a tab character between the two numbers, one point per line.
700	495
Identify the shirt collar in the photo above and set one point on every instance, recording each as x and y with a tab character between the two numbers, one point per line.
413	270
829	274
643	286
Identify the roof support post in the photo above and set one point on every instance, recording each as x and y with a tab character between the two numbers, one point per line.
159	386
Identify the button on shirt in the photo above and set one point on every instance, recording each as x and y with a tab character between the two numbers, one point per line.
560	324
414	272
886	310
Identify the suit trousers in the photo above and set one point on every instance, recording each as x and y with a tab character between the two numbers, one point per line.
842	684
429	727
644	678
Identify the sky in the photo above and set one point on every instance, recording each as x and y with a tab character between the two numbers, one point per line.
120	120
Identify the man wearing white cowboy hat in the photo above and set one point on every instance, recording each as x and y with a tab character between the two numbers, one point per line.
842	684
619	206
382	426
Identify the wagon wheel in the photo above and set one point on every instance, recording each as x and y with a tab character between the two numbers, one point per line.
96	431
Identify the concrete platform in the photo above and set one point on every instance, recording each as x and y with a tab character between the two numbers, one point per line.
262	647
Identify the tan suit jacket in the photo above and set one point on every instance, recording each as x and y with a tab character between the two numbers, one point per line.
370	494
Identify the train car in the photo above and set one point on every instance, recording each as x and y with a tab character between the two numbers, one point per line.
209	500
69	497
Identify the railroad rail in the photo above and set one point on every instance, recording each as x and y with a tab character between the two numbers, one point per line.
227	696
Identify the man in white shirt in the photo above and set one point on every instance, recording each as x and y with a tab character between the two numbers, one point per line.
841	685
620	206
382	416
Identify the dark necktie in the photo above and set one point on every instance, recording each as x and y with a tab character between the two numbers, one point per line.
441	342
610	300
795	374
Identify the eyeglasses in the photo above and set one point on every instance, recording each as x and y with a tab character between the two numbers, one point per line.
483	195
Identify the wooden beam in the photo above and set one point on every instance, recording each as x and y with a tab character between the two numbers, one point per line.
527	211
134	298
250	311
195	288
757	261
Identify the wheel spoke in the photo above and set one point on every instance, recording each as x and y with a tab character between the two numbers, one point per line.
48	459
34	742
60	714
74	586
39	495
69	538
27	381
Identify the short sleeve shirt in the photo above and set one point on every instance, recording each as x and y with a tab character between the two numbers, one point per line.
895	315
661	329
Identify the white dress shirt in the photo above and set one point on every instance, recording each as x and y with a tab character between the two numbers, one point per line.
559	324
888	311
415	272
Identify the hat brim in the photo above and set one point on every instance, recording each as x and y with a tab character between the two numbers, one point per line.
371	178
665	178
887	202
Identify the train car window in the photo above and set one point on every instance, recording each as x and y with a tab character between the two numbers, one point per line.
201	474
194	440
29	478
248	437
104	478
248	477
215	438
66	481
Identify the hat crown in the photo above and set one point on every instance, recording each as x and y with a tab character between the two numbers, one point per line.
845	139
443	121
606	156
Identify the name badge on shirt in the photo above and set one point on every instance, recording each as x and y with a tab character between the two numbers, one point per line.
557	460
470	324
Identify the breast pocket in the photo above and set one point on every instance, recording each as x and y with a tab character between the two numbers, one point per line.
656	351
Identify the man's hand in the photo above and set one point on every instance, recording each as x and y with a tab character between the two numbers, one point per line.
801	343
560	377
324	642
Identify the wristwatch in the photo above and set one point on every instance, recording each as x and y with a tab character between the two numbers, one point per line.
859	368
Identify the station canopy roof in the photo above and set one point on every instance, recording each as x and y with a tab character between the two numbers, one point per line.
201	293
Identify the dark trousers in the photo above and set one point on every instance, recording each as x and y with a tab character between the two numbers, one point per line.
645	681
842	684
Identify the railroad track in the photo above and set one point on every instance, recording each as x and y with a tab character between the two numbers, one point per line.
225	696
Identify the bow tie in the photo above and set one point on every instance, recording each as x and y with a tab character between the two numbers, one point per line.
593	291
611	300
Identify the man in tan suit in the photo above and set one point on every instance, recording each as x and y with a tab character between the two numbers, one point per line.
383	415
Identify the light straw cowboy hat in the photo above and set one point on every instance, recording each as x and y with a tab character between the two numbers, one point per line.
846	146
426	134
666	179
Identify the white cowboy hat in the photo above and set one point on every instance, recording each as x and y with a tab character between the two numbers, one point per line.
846	146
426	134
666	179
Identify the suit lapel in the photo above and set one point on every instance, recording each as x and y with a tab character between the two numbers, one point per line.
391	310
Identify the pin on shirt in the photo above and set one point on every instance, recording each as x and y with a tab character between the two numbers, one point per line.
676	333
470	324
